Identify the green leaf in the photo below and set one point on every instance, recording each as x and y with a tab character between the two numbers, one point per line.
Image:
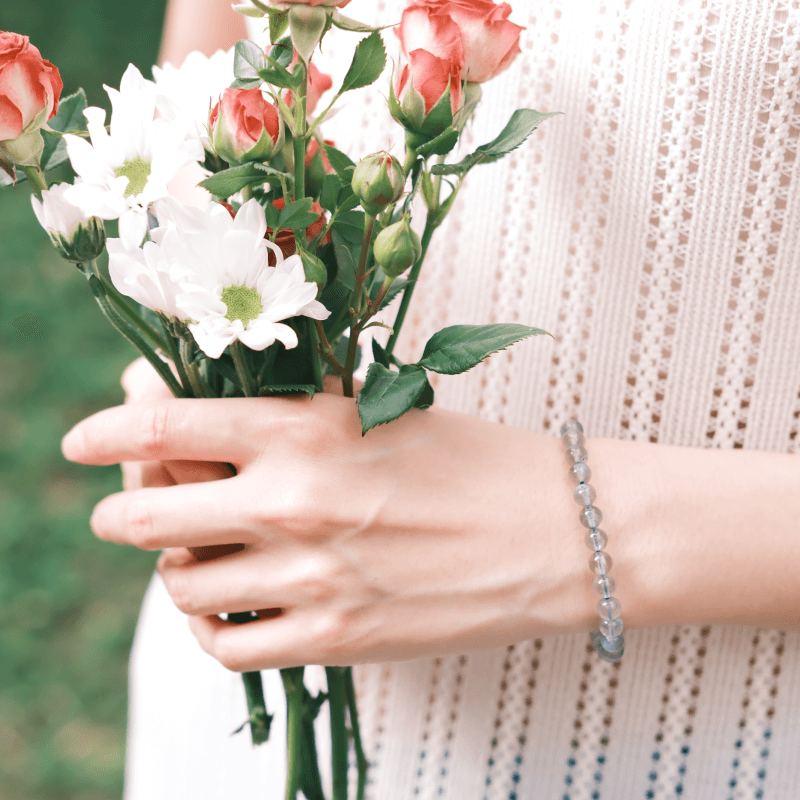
460	347
425	400
441	145
380	355
399	286
341	162
248	59
351	226
341	349
368	63
278	23
300	388
346	259
272	172
246	83
387	395
346	24
282	52
522	124
347	200
329	195
230	181
69	118
297	215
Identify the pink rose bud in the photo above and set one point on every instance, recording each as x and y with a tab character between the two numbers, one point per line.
427	96
397	248
30	88
378	181
245	127
476	34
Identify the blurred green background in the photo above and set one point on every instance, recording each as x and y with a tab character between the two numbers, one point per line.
68	603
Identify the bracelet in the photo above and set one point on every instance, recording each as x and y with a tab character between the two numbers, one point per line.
609	643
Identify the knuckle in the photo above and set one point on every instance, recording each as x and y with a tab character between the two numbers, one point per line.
180	591
228	653
140	525
153	423
316	582
332	635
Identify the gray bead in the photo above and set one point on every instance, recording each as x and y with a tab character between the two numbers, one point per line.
611	628
580	472
573	438
600	562
584	494
608	649
609	608
604	585
570	425
574	454
596	540
591	516
612	645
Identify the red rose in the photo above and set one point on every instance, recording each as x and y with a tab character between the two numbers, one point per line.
475	34
430	76
245	127
30	88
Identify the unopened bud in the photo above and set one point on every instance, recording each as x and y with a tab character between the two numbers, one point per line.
314	268
307	25
397	248
378	181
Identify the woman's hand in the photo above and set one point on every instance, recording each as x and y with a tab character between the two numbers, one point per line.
433	534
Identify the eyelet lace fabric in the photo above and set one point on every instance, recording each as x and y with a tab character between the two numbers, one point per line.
654	230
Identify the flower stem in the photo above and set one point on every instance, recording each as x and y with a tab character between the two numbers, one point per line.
190	369
411	157
243	370
256	707
301	138
361	758
430	227
337	700
37	179
127	309
175	354
316	354
293	686
127	330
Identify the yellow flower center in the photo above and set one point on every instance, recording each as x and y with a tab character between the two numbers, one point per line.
137	171
243	303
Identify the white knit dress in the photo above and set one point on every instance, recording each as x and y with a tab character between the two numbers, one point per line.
655	229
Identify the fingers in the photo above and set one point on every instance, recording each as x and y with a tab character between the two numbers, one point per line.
176	516
141	474
289	640
193	430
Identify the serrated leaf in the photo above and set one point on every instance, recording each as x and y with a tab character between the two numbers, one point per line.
425	400
297	215
248	59
346	260
329	195
230	181
341	349
347	200
351	226
69	118
272	172
441	145
341	162
387	395
379	354
368	63
460	347
299	388
522	124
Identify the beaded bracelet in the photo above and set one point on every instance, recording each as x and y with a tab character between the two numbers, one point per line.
609	643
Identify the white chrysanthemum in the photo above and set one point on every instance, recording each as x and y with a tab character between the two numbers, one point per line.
186	94
212	271
55	213
126	171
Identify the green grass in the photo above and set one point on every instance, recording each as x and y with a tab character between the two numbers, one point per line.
68	603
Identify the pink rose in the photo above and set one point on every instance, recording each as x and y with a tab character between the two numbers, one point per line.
475	34
245	127
429	75
30	88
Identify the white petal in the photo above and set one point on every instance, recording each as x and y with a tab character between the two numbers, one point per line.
258	336
85	160
132	228
285	334
250	217
213	345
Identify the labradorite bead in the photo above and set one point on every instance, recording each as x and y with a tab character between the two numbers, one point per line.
571	425
573	438
574	454
609	608
604	585
611	628
584	494
600	562
596	540
579	472
591	516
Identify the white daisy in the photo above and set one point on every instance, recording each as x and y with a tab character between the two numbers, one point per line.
213	272
187	93
124	172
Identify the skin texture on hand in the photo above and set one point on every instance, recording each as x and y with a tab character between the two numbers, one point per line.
439	533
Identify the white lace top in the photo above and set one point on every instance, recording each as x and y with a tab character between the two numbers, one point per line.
655	229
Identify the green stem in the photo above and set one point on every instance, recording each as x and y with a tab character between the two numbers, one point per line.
247	193
190	369
430	227
324	114
301	138
316	354
357	324
256	707
361	758
337	700
411	157
127	309
127	330
175	354
293	686
37	179
242	370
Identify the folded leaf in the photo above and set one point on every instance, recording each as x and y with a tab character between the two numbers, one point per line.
368	63
456	349
387	395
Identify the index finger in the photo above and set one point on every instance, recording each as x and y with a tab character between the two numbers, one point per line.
228	430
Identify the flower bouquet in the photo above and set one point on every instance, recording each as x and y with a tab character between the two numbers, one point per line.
267	289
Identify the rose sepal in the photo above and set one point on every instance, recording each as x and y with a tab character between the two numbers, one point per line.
26	150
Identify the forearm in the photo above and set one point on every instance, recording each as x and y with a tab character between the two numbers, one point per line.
696	535
204	25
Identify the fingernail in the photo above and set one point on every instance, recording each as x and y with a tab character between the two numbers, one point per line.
73	445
